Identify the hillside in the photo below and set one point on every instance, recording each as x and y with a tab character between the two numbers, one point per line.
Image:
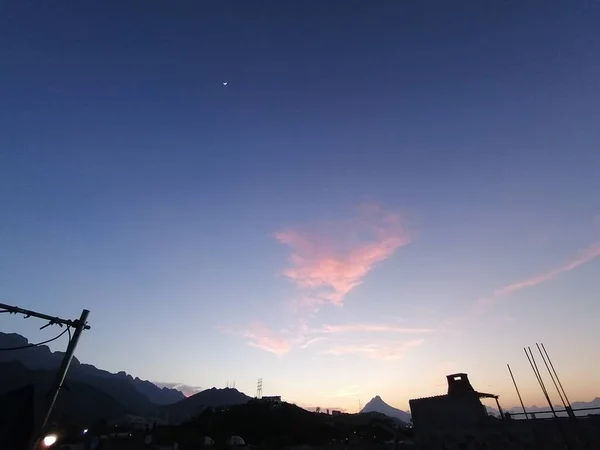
78	402
17	417
281	425
258	422
190	407
137	394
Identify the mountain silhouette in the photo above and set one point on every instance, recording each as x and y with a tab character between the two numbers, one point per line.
376	404
192	406
17	416
78	403
84	404
139	395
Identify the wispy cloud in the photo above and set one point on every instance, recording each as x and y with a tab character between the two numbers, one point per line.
310	342
369	328
589	254
183	388
308	337
306	304
327	266
380	351
259	336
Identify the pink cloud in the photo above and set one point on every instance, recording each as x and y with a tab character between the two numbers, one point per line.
591	253
327	266
261	337
380	351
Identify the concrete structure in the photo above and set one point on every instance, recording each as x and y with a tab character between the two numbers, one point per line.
275	399
461	407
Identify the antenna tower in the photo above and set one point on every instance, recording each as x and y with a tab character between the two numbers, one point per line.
259	388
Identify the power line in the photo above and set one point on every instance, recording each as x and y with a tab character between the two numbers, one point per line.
38	344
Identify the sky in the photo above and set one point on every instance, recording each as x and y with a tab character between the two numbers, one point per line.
383	193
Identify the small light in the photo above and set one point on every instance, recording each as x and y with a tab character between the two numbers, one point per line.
85	430
50	440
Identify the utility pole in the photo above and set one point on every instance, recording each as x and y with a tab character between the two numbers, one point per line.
62	371
79	325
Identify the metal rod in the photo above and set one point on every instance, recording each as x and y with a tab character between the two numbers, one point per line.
551	376
499	408
561	411
556	375
537	377
545	391
518	393
540	380
79	326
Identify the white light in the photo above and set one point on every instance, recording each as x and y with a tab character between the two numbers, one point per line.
225	83
50	440
85	430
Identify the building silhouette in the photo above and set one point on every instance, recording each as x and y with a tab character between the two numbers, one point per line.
461	407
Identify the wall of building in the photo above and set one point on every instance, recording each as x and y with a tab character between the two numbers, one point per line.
447	412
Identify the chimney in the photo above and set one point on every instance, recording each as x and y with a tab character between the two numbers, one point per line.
458	384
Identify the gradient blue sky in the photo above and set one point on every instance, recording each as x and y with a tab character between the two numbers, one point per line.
385	192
